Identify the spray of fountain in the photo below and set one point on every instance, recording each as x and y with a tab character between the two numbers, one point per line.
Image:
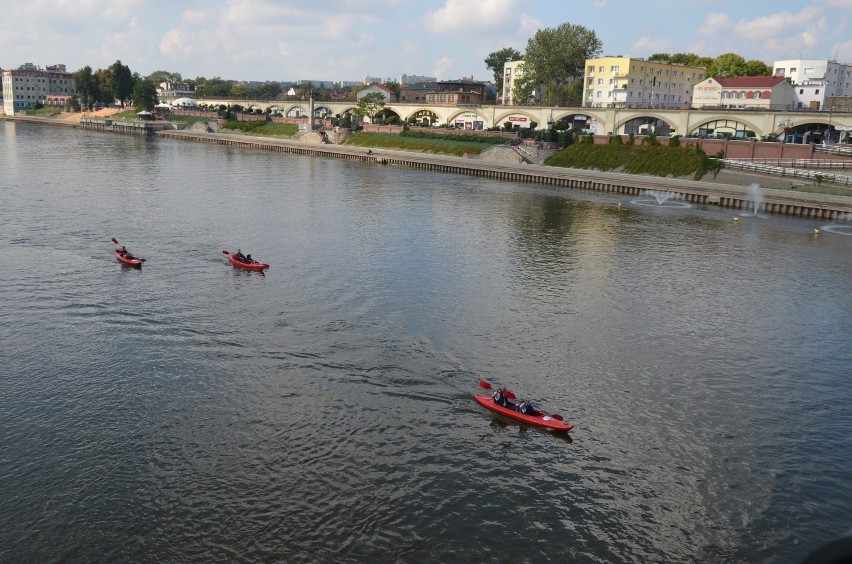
662	198
842	225
756	195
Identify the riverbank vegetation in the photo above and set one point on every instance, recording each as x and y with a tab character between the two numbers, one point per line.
650	157
263	128
44	111
441	145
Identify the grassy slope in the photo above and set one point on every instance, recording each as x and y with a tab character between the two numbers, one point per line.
656	160
437	146
264	128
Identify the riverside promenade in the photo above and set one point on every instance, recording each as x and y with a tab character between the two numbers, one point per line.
785	202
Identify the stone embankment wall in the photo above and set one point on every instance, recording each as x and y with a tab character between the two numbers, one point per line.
737	197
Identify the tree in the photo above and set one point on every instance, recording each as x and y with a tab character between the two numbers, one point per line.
122	81
145	95
163	76
213	88
689	59
86	87
522	90
660	58
370	104
393	85
496	61
757	68
103	80
727	66
353	94
557	56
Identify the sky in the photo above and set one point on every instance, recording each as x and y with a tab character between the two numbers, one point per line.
346	40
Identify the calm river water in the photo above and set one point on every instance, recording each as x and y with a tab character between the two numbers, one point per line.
191	411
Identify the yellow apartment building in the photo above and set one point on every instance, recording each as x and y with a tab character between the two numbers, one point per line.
625	82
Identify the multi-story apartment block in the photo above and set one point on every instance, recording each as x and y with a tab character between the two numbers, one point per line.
512	71
625	82
28	84
816	80
407	79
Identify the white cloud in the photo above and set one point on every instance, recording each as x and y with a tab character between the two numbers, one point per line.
651	45
440	67
714	25
467	15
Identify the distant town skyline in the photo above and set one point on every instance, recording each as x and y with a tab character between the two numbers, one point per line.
345	40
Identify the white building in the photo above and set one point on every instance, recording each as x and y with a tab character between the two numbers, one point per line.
388	94
168	92
28	84
815	80
744	92
512	70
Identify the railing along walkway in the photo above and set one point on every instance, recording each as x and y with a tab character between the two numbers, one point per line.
816	176
799	163
840	150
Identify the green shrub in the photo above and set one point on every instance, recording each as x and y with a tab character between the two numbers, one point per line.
649	158
463	137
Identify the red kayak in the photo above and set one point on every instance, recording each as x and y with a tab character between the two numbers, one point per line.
130	261
542	420
248	265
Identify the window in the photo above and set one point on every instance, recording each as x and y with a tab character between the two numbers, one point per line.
600	81
600	68
816	91
742	95
801	90
614	69
792	70
779	72
810	70
757	95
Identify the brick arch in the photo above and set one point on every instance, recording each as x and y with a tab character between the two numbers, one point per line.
501	117
599	117
620	125
414	112
694	127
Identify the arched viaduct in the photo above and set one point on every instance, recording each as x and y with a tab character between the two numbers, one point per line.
602	120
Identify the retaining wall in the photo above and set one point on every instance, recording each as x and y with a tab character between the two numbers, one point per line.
737	197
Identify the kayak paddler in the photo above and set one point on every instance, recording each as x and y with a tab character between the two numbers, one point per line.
501	399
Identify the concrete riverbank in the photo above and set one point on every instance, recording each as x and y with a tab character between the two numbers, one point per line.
771	200
728	195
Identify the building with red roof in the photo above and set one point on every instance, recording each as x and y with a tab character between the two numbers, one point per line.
744	93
